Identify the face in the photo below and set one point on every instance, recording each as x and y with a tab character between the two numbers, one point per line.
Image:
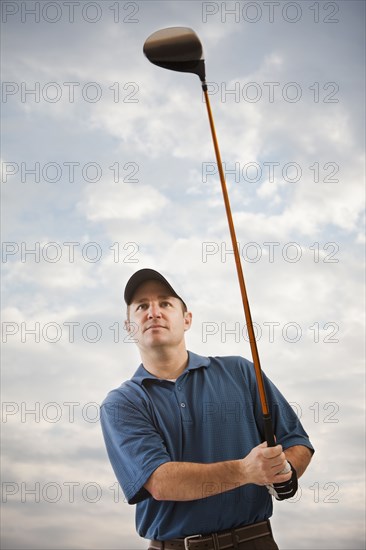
156	319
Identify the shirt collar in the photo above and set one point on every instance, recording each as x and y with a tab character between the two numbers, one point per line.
194	362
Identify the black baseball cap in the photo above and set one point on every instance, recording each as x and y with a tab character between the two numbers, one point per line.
142	276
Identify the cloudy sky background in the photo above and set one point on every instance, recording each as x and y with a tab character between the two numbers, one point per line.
126	181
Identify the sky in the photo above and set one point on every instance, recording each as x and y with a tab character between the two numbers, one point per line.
107	167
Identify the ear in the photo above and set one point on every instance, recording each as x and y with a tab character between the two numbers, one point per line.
187	320
128	325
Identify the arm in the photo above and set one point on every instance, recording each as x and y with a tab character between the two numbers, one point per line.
182	481
300	457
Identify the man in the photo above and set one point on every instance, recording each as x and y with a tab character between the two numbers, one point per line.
185	435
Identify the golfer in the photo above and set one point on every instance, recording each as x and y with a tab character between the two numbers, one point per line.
184	435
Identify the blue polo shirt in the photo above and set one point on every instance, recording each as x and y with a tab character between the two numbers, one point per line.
210	414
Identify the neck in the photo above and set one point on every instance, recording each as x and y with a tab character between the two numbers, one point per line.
165	363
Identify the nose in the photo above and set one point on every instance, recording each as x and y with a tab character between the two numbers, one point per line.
154	310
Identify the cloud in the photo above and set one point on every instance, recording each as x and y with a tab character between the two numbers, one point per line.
108	202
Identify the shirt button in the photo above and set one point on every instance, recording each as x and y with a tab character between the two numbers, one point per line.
183	405
179	388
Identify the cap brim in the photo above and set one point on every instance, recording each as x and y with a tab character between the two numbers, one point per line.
142	276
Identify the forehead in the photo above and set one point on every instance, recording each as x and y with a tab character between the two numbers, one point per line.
150	289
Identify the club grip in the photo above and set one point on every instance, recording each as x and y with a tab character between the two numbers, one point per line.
268	430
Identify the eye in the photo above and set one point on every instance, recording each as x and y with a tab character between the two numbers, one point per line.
165	303
141	307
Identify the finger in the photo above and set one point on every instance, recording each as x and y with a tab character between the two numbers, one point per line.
280	460
281	478
272	452
279	466
286	469
277	478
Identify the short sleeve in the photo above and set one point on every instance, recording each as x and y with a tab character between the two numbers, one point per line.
286	424
134	446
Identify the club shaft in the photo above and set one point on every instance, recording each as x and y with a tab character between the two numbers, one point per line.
239	269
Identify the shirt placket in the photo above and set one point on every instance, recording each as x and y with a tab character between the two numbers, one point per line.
182	401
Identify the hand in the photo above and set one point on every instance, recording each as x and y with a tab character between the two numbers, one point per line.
282	491
264	465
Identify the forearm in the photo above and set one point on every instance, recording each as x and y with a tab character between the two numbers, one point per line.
300	457
182	481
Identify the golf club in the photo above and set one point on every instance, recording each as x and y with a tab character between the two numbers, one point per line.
179	49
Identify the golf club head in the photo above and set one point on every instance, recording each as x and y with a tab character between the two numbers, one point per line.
177	49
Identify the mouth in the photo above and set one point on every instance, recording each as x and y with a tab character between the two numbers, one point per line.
152	327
